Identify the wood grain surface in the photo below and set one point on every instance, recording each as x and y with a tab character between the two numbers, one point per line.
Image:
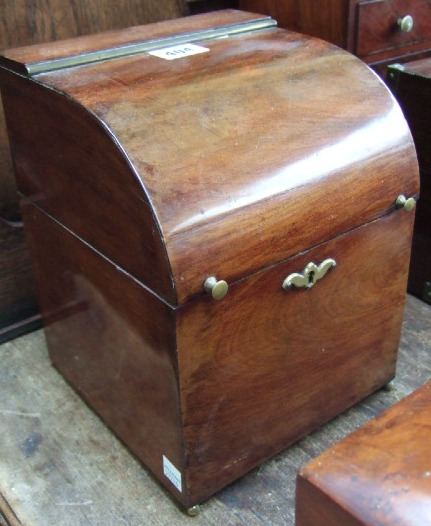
124	36
82	181
59	465
113	340
265	366
23	23
379	33
172	382
379	475
369	29
141	177
330	22
225	159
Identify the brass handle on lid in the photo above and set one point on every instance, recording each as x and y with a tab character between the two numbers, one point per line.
218	289
405	23
408	204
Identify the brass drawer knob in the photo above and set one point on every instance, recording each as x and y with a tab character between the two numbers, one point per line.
310	275
408	204
405	23
218	289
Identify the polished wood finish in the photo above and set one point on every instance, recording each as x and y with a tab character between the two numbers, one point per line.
367	28
245	162
29	22
60	465
411	85
122	37
70	178
103	339
199	206
251	384
327	22
376	476
379	35
24	23
115	343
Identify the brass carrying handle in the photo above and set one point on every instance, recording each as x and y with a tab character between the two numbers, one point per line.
310	275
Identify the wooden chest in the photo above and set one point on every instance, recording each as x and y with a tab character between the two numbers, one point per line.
379	475
411	85
221	252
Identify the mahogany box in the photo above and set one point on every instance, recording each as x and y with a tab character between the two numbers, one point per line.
220	216
411	85
380	475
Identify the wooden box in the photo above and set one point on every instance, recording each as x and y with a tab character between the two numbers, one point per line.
411	85
219	244
379	475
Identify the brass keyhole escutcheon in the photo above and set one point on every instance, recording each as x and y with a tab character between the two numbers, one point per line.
309	275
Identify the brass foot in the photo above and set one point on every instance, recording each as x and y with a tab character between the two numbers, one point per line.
390	386
194	511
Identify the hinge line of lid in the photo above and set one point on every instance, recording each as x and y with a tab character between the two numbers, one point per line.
34	68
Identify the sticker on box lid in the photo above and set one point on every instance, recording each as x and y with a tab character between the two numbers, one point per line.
172	473
183	50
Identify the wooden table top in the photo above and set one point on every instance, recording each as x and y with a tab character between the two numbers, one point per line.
60	465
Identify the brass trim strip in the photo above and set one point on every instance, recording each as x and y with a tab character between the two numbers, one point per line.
35	68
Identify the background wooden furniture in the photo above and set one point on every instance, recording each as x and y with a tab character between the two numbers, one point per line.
60	466
378	32
24	22
411	85
203	6
378	475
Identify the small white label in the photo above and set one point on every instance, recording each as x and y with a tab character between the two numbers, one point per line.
170	471
184	50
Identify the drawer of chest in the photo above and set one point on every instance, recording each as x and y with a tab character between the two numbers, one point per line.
385	25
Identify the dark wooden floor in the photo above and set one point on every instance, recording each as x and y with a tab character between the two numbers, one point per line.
60	466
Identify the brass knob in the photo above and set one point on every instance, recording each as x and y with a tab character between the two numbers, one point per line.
407	204
405	23
217	288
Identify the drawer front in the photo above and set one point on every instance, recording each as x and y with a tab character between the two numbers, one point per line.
378	25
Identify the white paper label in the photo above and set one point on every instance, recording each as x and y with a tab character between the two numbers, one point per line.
183	50
170	471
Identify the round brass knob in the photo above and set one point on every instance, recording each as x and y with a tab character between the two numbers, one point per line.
218	289
405	23
407	204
